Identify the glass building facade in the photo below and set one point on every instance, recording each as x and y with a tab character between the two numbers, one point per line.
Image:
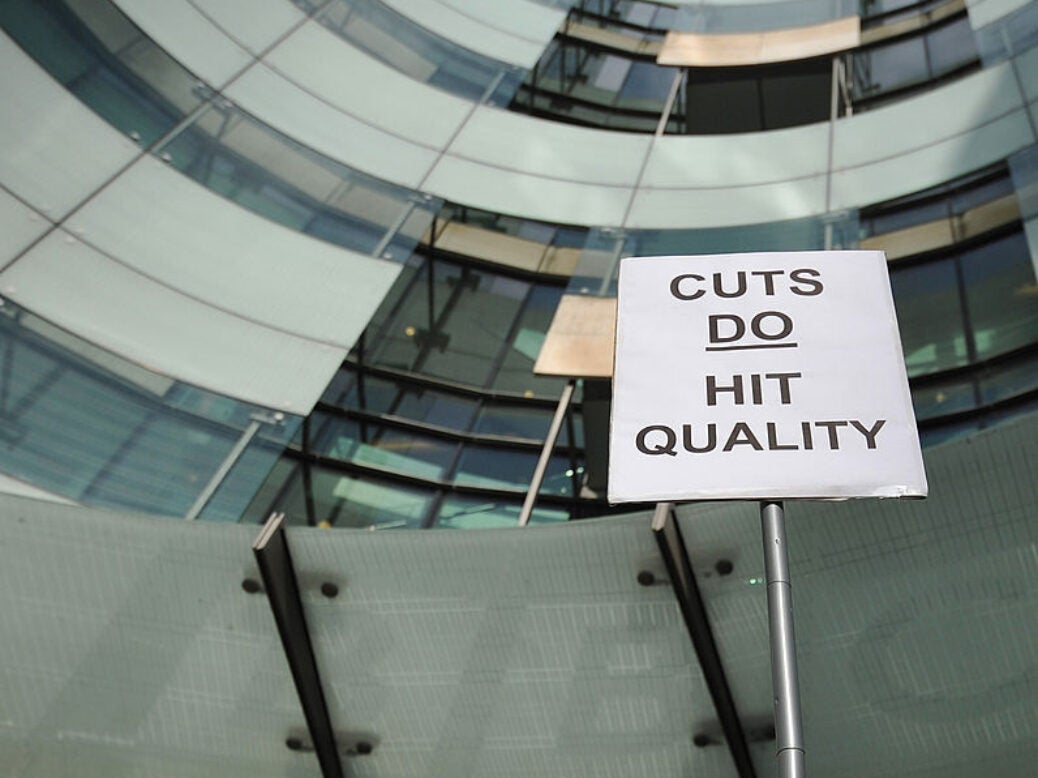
303	257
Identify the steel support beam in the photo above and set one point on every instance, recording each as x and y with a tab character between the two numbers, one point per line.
279	581
683	580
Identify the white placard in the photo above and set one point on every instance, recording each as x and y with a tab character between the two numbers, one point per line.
756	376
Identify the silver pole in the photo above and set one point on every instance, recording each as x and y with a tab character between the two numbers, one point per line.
789	735
228	462
549	444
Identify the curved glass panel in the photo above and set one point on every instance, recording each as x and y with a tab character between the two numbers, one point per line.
758	17
462	512
907	62
320	496
411	49
230	152
107	62
122	75
86	425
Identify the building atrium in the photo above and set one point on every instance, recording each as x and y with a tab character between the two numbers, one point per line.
354	262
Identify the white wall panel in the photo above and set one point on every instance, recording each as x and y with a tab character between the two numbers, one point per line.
551	149
726	207
329	130
78	288
525	195
19	227
175	231
54	151
255	24
514	32
696	161
191	38
317	60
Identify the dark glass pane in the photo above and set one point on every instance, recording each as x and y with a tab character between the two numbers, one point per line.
889	67
173	463
367	443
796	94
345	501
413	329
646	86
437	408
516	373
929	313
482	309
461	512
84	424
517	422
1010	380
511	469
1001	294
944	398
946	432
951	46
722	101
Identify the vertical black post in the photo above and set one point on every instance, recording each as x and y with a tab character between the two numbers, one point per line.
279	581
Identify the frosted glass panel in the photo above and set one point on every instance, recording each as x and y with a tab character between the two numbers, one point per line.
522	194
111	305
915	620
908	125
214	251
733	160
530	652
43	131
194	40
256	24
516	32
316	59
130	640
20	226
552	150
333	132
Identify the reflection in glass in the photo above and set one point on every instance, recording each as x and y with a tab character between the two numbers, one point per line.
512	469
228	151
943	398
323	497
462	512
419	53
376	445
107	62
1001	295
929	313
87	425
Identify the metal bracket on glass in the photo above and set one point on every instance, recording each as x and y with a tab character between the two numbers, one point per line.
279	581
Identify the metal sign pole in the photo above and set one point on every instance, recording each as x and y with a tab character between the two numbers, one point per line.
789	736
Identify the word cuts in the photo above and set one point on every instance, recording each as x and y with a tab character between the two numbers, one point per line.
756	376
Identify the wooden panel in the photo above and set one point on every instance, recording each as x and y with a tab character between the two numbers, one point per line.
579	343
693	49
